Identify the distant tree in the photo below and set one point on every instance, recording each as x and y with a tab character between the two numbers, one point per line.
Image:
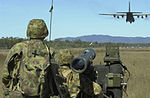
8	42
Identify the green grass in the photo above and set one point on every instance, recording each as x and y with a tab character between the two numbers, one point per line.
137	61
3	54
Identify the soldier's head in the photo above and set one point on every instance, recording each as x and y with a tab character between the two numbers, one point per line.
37	29
64	57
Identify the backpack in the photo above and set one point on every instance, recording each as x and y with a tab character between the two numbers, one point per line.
33	70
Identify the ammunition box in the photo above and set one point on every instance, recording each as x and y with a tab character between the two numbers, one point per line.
113	80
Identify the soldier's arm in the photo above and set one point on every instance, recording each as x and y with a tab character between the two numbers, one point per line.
61	59
6	77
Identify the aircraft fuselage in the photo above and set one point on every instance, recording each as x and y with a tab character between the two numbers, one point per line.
130	17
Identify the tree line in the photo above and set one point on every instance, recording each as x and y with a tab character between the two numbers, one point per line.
8	42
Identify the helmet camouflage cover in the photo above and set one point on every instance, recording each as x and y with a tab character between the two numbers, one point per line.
63	57
37	29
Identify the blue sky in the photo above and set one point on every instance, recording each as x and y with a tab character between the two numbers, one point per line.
72	18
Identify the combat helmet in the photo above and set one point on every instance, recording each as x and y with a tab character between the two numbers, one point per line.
64	57
37	29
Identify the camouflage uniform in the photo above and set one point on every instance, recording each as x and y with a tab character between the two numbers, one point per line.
73	83
19	77
72	78
37	31
64	59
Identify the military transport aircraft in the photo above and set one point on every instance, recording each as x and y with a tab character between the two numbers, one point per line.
129	15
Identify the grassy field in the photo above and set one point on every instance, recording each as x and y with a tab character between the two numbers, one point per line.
3	54
137	61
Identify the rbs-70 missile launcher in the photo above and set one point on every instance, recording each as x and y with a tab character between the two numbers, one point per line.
83	61
109	76
82	64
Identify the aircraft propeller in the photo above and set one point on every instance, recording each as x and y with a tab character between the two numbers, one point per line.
142	16
138	16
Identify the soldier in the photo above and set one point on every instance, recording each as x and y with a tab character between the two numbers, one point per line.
30	70
78	89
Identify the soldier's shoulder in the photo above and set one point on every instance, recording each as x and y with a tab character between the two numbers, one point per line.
18	47
21	44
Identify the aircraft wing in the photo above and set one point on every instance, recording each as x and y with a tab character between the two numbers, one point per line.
141	15
108	14
128	12
115	15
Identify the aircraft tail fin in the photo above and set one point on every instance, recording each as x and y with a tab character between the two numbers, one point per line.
129	10
129	7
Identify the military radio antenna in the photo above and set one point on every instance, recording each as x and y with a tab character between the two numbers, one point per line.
51	11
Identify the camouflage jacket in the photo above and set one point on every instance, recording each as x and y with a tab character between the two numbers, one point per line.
26	46
73	83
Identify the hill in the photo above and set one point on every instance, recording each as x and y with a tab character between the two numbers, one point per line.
107	38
